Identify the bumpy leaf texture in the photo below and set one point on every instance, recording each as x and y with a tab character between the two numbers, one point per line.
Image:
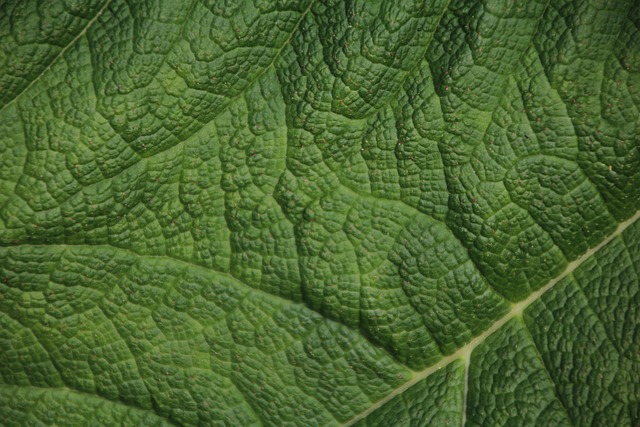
320	212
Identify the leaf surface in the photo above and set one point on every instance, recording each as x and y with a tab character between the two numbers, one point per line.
320	213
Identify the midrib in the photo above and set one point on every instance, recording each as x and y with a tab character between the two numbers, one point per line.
516	310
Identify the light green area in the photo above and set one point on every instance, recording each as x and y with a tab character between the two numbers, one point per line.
313	212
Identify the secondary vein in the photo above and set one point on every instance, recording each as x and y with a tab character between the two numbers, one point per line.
59	55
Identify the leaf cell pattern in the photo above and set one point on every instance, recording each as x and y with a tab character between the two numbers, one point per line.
320	212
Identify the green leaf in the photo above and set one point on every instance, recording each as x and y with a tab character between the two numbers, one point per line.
319	212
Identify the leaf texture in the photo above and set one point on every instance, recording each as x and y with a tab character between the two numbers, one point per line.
319	212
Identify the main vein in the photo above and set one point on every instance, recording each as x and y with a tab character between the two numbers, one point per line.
516	310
